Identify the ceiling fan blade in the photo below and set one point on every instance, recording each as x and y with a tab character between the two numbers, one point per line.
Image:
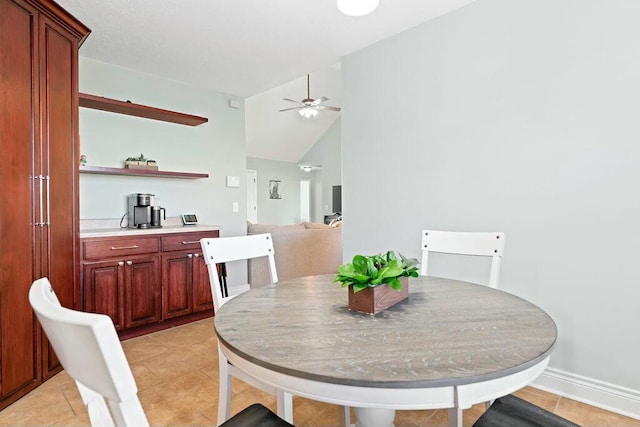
291	100
319	101
292	108
326	107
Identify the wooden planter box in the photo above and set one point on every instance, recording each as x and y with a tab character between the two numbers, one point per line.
141	165
374	300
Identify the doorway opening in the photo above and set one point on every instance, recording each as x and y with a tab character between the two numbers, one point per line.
252	196
305	200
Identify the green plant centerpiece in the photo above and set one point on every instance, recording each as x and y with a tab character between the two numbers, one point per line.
366	275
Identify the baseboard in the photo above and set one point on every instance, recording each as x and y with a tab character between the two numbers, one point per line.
597	393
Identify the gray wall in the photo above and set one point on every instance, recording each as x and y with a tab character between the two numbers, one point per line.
278	211
517	116
216	148
326	152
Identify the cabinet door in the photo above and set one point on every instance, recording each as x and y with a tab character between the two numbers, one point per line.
176	284
103	284
59	158
142	303
19	357
202	299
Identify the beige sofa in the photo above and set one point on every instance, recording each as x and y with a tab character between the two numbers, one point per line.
303	249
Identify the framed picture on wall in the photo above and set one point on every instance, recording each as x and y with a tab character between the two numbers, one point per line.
274	189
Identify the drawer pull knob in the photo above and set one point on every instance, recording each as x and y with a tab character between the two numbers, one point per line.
190	242
121	263
115	248
189	256
129	262
196	255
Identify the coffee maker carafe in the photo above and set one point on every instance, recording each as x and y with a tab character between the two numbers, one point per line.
141	211
156	219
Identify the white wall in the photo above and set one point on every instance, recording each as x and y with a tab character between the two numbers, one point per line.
325	152
278	211
517	116
216	148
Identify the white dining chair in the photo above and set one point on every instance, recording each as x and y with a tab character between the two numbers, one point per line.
90	352
513	411
486	244
227	249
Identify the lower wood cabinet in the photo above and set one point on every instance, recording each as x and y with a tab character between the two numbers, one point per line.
185	284
103	285
146	283
128	290
142	291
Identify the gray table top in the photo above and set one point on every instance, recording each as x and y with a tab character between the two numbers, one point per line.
446	333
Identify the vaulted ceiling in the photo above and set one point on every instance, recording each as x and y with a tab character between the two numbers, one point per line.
253	49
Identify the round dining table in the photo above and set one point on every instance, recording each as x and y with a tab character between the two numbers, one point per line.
450	344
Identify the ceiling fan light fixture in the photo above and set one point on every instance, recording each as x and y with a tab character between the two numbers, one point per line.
308	112
308	167
357	7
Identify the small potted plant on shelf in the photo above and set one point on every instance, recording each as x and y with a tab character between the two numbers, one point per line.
377	282
140	162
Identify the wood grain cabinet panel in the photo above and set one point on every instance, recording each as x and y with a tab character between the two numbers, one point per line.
202	299
177	271
146	292
187	241
18	350
125	289
38	180
104	289
142	299
96	249
185	285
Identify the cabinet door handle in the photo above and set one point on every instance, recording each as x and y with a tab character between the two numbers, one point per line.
121	263
129	262
196	255
189	256
115	248
46	178
190	242
41	222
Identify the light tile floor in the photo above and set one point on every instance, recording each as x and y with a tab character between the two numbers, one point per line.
177	376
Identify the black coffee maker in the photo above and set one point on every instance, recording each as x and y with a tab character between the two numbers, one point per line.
144	211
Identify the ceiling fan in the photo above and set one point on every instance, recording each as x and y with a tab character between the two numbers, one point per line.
310	107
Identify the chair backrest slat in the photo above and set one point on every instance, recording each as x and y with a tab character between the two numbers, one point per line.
227	249
487	244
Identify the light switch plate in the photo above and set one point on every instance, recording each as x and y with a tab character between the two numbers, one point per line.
233	181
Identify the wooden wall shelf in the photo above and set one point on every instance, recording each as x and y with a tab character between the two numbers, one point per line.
99	170
138	110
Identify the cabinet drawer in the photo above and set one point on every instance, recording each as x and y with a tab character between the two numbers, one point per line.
190	241
98	249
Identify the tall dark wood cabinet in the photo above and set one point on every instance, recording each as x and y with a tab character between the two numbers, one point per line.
38	180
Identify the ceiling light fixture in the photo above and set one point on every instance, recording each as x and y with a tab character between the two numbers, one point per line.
357	7
308	167
308	112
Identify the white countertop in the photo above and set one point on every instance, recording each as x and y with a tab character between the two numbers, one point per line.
111	228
